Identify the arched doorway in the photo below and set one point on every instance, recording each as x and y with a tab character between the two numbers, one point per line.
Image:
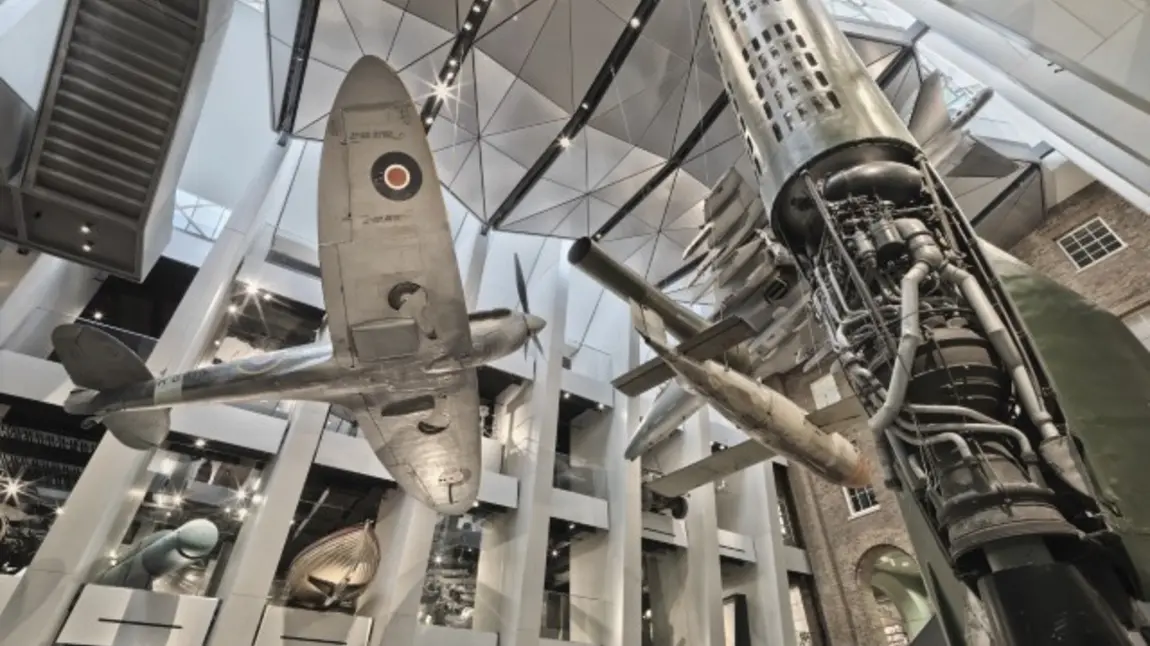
903	604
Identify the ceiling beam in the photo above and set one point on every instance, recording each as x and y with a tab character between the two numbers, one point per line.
582	115
449	73
297	66
670	166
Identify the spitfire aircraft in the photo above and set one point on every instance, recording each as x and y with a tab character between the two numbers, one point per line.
403	348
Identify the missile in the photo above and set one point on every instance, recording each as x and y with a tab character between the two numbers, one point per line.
769	418
162	553
672	407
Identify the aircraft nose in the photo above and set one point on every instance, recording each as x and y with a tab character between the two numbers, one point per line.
534	323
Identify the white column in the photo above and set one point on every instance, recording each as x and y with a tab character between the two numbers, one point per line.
769	598
52	291
495	546
406	530
685	585
251	566
472	269
531	458
108	492
607	568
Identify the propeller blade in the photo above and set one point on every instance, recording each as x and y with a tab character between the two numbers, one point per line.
521	286
538	344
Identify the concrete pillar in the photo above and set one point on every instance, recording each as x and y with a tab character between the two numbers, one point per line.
607	568
406	530
109	491
685	585
513	554
251	566
495	542
52	291
472	270
769	594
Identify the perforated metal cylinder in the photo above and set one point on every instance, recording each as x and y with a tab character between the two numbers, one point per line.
803	98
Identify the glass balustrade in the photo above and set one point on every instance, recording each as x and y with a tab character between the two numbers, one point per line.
578	476
569	617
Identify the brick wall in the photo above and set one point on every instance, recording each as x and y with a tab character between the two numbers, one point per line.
840	548
1121	282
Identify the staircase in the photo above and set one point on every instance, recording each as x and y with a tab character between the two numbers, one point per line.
109	111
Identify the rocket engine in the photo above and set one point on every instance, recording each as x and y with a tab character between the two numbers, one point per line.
966	419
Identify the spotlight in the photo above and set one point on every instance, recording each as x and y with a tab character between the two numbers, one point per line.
442	90
98	315
233	309
599	406
635	22
87	247
554	552
428	121
267	296
564	142
200	442
566	395
451	62
85	229
467	26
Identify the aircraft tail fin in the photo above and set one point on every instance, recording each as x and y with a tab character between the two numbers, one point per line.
98	361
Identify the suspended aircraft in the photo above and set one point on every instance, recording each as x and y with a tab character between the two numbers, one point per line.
403	348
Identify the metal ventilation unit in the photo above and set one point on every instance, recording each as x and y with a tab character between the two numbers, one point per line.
86	184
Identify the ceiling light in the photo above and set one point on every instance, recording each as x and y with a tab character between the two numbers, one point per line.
554	552
241	494
177	501
438	559
267	296
571	526
467	26
475	8
442	90
584	106
87	247
515	18
566	395
233	309
251	289
200	443
85	229
451	62
257	499
449	76
564	142
243	513
428	120
475	504
216	343
59	511
599	406
635	23
98	315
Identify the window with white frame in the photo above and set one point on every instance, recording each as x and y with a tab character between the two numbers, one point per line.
1090	243
860	500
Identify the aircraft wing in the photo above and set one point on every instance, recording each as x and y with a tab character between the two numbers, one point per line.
390	277
708	344
710	469
429	442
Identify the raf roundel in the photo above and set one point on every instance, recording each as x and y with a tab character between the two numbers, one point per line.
396	176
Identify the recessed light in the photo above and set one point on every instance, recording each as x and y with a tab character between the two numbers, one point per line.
87	247
451	62
564	142
635	23
467	26
85	229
